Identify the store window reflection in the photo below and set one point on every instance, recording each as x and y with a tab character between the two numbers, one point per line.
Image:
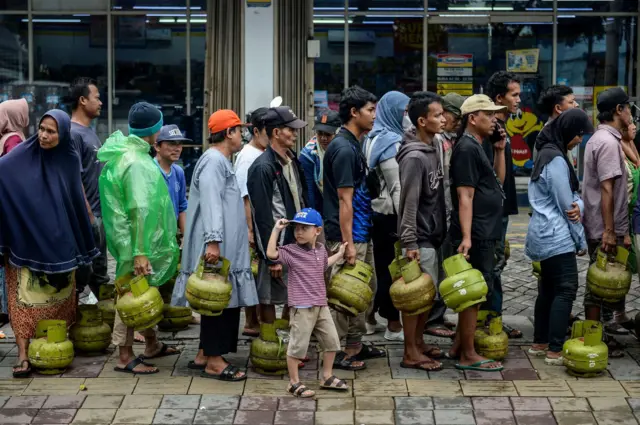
14	4
66	47
595	53
150	64
463	57
385	53
329	67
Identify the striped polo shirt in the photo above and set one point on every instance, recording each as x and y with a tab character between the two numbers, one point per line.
306	285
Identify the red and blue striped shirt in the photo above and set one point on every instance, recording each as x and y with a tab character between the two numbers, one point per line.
306	286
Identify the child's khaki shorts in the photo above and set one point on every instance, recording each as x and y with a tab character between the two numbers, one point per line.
307	321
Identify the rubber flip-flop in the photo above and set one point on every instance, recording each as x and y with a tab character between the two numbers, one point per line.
228	374
251	333
478	366
420	364
132	365
23	373
195	366
163	352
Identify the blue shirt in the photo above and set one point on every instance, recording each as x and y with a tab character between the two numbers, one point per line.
550	231
177	186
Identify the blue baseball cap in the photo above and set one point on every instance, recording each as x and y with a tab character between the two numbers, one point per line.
171	133
308	216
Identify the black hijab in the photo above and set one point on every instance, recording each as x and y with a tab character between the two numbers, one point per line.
554	139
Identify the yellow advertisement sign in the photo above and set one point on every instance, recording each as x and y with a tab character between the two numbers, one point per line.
524	60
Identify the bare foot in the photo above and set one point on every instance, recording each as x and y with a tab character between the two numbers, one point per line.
137	337
151	352
195	318
140	368
429	350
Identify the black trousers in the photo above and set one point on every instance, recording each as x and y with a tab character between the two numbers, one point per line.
219	334
557	290
384	236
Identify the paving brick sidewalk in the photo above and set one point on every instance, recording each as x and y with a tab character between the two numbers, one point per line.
527	392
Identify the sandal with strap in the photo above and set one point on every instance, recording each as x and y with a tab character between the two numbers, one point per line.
300	390
342	362
133	364
228	374
333	383
22	373
369	352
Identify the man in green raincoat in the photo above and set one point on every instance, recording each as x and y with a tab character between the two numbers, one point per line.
140	223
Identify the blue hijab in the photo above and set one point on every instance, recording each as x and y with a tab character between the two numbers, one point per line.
44	224
388	127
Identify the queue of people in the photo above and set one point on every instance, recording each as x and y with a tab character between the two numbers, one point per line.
431	173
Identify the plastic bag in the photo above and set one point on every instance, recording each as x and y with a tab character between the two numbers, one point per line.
137	211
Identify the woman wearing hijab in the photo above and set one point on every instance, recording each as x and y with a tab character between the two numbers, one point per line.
14	119
45	230
555	233
380	149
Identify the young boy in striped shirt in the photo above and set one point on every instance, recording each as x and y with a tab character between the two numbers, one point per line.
307	260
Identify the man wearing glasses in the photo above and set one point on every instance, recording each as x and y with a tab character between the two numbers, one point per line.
604	191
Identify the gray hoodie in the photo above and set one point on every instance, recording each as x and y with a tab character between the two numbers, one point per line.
422	221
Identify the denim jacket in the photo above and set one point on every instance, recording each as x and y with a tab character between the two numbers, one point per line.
550	231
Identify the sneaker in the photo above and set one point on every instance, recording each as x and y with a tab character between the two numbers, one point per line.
394	336
371	328
559	361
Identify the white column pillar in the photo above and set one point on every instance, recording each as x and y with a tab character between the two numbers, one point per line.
258	57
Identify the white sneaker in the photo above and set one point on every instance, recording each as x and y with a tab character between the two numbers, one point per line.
394	336
371	328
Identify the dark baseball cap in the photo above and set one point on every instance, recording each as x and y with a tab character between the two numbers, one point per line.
611	98
283	116
171	133
328	121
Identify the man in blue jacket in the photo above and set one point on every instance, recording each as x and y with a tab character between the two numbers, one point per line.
326	126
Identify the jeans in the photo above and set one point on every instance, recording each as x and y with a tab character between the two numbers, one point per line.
557	289
494	299
384	237
482	258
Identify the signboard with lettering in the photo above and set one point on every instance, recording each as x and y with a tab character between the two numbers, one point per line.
455	73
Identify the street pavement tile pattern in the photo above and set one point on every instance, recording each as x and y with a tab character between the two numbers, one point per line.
526	392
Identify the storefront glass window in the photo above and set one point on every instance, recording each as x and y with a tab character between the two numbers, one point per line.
14	54
70	5
462	58
67	47
385	53
595	53
198	52
329	67
160	5
596	6
14	4
150	65
371	5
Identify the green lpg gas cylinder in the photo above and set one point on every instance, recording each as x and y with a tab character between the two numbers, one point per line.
608	278
585	355
268	353
395	268
140	306
90	334
208	289
414	293
491	341
349	291
175	318
53	353
464	285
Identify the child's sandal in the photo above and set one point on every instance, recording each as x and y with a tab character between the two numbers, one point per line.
300	390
